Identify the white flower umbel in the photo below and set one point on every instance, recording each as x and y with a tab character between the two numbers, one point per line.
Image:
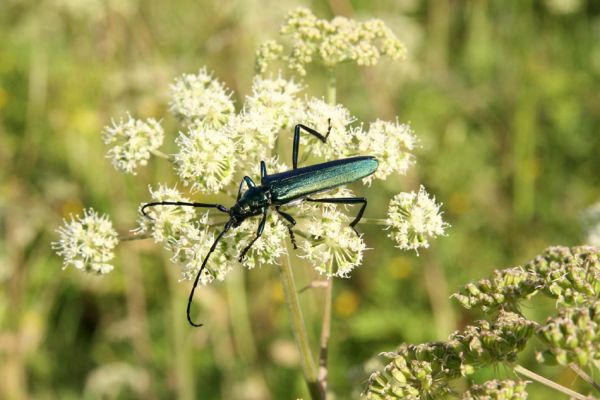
331	240
267	249
87	242
319	115
206	159
413	218
201	98
391	143
191	248
133	141
168	221
275	98
255	134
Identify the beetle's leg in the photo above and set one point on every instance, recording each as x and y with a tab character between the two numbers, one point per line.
248	181
313	132
263	170
292	222
181	203
259	232
346	200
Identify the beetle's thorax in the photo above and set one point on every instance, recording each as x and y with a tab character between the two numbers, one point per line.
252	202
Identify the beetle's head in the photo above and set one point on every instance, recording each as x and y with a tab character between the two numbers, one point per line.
251	203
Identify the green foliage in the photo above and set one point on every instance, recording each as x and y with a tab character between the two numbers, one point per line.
503	96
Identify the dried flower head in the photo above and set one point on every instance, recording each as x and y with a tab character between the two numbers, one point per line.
504	290
87	242
497	390
201	98
569	275
572	337
330	42
413	218
133	140
425	371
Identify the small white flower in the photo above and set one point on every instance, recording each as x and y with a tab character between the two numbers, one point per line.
191	248
268	248
201	98
133	141
275	99
255	134
206	159
319	116
414	218
87	242
391	143
167	221
332	247
267	52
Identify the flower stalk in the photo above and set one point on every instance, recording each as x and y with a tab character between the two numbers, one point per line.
551	384
299	329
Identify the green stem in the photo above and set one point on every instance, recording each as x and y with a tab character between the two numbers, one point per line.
551	384
583	375
299	329
325	333
331	87
376	221
129	238
160	154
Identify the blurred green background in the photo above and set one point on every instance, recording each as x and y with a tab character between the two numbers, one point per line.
504	96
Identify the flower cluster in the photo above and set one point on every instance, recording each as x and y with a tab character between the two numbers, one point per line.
572	337
424	371
133	140
569	275
497	390
392	143
413	218
330	42
201	97
211	161
87	242
218	145
504	290
334	248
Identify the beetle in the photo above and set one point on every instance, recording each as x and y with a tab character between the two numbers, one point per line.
283	189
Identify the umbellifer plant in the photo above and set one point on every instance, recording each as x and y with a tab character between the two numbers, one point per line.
219	143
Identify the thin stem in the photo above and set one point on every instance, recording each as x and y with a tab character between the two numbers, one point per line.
376	221
129	238
551	384
299	329
331	88
583	375
160	154
325	333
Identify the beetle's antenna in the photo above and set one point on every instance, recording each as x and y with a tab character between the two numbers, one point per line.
212	248
181	203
